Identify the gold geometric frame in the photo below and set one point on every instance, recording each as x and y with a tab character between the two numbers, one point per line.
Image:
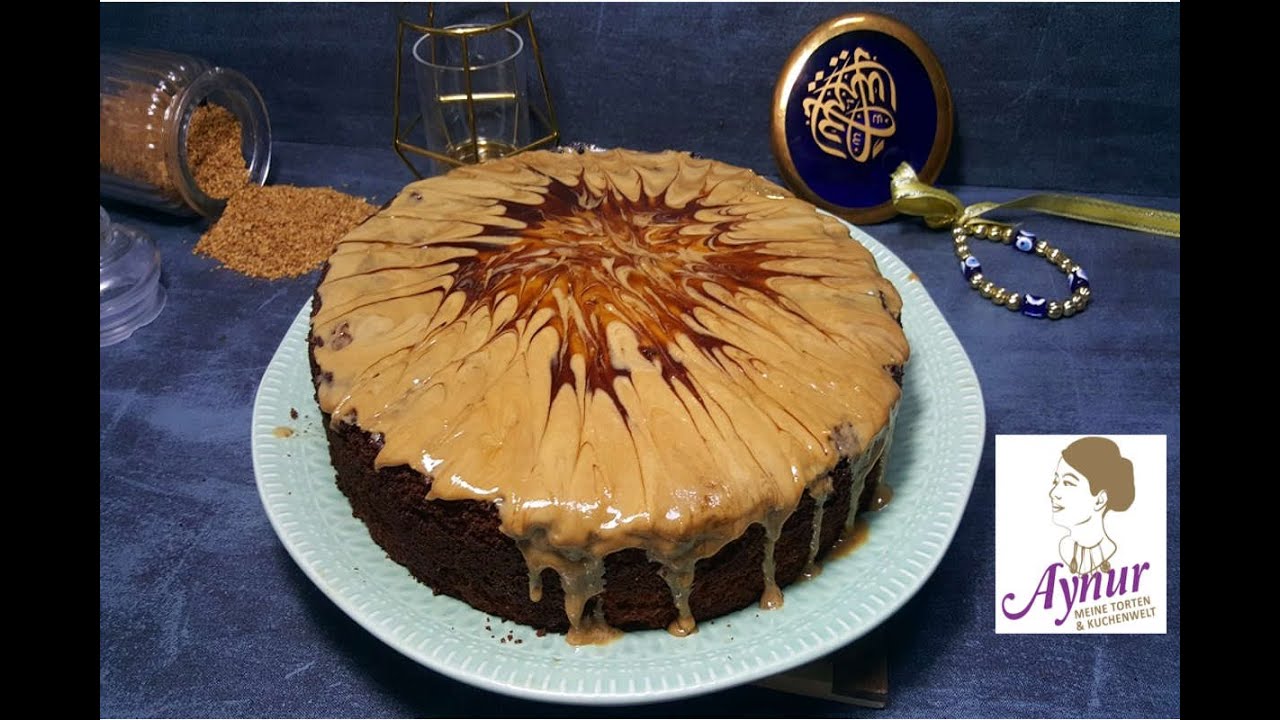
547	115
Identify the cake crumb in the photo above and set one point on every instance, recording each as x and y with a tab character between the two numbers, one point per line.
912	277
283	432
293	413
281	231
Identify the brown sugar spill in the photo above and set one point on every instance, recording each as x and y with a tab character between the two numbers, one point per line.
280	230
213	151
266	232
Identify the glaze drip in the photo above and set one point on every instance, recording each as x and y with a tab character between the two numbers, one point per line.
620	350
820	491
771	598
679	578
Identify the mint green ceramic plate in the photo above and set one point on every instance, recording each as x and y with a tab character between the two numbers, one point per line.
936	448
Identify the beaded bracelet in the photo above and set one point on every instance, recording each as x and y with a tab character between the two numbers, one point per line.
1032	306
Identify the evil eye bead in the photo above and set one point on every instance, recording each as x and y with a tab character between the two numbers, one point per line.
1025	241
1034	306
1078	279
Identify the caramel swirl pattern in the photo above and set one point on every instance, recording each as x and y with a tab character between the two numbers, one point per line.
619	349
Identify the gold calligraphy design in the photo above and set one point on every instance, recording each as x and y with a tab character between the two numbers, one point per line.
851	105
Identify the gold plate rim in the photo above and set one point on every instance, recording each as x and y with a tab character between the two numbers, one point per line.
791	71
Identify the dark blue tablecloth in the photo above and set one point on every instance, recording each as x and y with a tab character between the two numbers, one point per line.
204	613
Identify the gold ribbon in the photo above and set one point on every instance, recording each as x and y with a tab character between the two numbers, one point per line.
942	209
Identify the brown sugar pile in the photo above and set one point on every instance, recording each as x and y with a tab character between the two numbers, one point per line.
213	151
281	231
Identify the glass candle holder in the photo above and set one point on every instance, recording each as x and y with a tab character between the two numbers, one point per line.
472	86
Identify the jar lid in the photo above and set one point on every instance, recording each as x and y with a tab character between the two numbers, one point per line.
860	95
129	290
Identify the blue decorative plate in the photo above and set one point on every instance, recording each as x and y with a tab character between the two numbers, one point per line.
860	95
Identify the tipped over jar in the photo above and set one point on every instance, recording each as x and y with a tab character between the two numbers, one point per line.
173	129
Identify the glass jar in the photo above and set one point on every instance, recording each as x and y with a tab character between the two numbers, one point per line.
147	98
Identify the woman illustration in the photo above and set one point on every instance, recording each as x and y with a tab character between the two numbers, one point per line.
1091	480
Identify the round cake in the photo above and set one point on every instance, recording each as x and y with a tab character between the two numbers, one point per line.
602	391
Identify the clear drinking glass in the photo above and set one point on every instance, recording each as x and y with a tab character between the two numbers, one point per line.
495	122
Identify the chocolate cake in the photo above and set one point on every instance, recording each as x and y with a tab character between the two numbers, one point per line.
599	391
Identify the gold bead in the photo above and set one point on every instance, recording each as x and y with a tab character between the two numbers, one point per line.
1065	264
1000	296
980	230
1084	294
961	239
1054	254
1014	302
1042	247
958	233
1069	308
988	289
975	279
1055	310
962	250
1006	235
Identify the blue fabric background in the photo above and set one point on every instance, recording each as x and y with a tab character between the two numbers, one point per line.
204	613
1082	97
